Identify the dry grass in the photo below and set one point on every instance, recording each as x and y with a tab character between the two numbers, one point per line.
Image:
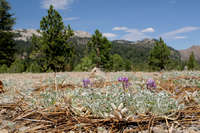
182	87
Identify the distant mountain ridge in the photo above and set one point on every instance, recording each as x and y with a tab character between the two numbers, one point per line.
25	34
186	52
141	48
138	52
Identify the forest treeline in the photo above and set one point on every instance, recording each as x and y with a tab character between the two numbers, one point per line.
57	50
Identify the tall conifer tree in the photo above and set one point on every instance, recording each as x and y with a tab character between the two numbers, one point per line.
191	62
7	43
55	49
159	56
100	50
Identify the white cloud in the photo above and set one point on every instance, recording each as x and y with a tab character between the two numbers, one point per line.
180	37
173	34
134	35
109	35
58	4
71	18
120	28
148	30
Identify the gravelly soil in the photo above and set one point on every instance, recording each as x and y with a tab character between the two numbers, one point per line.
72	76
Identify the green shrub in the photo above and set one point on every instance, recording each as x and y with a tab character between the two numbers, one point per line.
118	63
17	66
85	65
3	68
34	67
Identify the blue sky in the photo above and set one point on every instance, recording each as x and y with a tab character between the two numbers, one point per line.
177	21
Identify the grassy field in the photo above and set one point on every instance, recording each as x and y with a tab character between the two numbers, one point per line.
60	102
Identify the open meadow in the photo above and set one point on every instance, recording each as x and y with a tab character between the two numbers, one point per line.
62	102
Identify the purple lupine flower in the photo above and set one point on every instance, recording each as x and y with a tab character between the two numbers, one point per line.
127	84
120	79
124	81
86	82
150	83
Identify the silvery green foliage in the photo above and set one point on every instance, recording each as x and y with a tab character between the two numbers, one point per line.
49	98
96	101
99	101
160	103
143	101
13	86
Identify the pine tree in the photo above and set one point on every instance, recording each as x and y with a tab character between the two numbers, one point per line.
55	50
159	56
99	51
7	43
118	63
191	62
6	19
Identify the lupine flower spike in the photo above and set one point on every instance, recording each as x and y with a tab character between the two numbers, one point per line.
86	83
120	79
124	81
151	84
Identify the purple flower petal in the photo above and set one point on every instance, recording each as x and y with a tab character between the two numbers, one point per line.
120	79
125	79
151	83
86	82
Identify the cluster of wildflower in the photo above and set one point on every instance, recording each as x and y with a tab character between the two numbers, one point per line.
151	84
86	83
124	81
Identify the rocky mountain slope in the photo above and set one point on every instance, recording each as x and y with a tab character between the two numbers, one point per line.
186	52
137	51
25	34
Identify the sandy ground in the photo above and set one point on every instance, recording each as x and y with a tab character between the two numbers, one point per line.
31	79
73	75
